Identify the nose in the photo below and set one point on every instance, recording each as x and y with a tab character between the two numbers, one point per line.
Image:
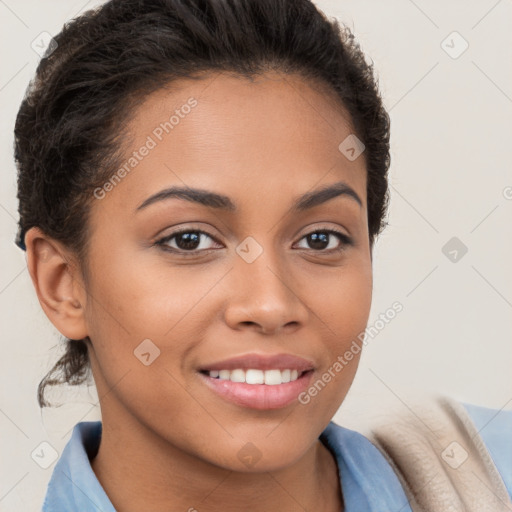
265	297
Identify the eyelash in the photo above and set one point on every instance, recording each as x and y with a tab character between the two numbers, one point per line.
342	237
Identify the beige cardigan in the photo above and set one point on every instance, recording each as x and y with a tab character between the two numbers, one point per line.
440	458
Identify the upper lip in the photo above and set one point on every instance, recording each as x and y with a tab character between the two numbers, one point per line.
262	362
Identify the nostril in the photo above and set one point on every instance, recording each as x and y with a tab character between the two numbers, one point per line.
248	323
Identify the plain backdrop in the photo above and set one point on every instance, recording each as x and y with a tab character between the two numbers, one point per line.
445	75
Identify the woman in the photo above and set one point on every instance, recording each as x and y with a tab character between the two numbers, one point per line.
201	185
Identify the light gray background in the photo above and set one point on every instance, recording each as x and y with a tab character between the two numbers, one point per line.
451	165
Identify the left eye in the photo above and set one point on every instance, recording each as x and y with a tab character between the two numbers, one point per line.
323	240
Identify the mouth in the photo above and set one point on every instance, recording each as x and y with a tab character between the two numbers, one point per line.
259	382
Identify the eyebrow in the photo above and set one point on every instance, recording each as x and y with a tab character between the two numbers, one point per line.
223	202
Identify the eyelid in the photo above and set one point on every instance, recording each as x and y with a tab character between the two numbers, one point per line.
185	227
323	227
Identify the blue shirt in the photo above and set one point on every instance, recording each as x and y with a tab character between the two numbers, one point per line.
368	482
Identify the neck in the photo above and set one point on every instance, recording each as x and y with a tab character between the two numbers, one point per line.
141	471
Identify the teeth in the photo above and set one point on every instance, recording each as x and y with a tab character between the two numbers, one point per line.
273	377
237	376
252	376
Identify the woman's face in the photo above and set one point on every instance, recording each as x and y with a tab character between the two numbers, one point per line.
254	273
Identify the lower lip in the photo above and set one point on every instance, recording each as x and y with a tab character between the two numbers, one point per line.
259	396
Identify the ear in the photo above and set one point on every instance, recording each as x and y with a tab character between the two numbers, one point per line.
58	283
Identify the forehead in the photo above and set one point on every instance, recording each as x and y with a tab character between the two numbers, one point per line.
225	131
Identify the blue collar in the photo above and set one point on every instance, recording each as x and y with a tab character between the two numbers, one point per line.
368	482
73	484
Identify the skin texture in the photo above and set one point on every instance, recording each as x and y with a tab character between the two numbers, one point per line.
169	442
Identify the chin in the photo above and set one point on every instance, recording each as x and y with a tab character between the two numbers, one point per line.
263	454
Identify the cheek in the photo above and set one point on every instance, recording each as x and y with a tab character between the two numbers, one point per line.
140	299
139	324
343	302
142	306
343	306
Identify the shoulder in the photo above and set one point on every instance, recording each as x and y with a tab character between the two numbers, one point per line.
446	452
73	484
368	482
494	426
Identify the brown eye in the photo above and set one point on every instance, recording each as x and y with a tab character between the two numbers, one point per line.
190	240
326	240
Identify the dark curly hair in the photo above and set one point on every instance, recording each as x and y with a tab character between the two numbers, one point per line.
69	128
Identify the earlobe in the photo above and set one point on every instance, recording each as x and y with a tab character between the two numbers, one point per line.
58	285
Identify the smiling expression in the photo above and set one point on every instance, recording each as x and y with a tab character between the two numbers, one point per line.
252	172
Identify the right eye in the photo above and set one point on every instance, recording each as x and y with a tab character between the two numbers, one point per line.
187	242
